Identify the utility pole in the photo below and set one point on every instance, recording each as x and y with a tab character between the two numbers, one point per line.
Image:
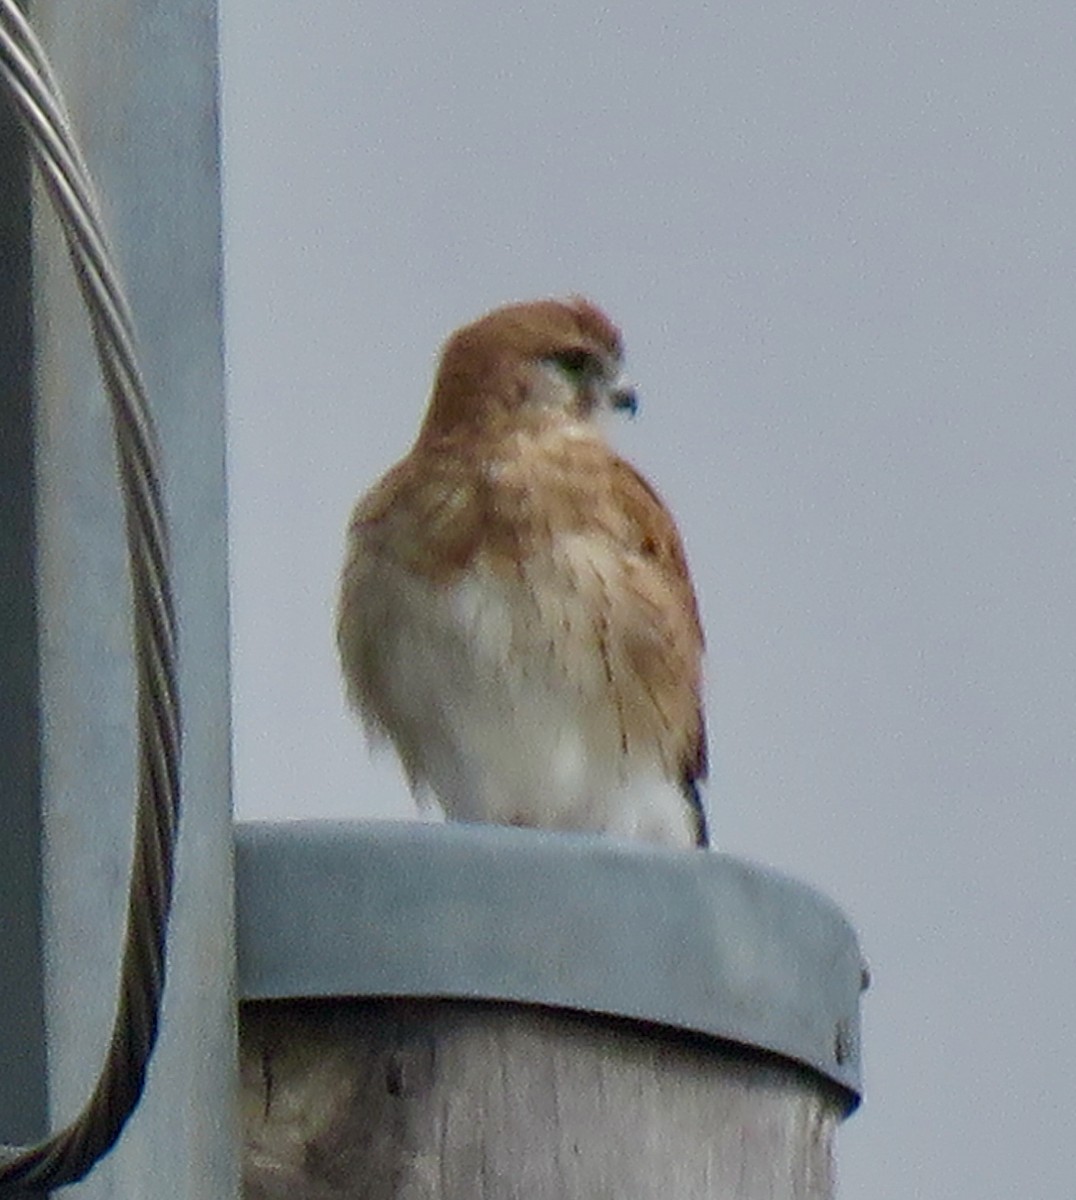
451	1012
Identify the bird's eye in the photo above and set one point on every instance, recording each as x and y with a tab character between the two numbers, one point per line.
576	362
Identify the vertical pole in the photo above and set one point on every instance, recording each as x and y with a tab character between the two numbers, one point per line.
455	1011
22	1033
140	77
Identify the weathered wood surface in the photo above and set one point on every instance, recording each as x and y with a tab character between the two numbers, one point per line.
446	1100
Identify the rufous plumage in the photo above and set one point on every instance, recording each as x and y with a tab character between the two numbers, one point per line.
516	613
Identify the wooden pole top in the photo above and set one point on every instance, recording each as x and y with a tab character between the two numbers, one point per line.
696	941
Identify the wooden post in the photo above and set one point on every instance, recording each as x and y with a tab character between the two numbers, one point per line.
450	1100
454	1013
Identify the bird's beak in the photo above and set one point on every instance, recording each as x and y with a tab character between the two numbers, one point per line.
623	397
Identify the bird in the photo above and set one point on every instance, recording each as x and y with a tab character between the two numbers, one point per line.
516	615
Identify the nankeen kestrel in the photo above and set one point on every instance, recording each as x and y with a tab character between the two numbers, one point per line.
516	613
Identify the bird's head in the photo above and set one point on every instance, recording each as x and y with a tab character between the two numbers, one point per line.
534	364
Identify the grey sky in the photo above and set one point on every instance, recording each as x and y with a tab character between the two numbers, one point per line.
841	242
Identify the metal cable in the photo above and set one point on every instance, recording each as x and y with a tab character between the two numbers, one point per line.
67	1156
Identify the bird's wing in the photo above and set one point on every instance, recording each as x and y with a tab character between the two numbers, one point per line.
669	652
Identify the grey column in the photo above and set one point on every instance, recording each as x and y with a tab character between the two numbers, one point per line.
22	1032
141	81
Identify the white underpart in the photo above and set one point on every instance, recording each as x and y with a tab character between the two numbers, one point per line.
497	723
